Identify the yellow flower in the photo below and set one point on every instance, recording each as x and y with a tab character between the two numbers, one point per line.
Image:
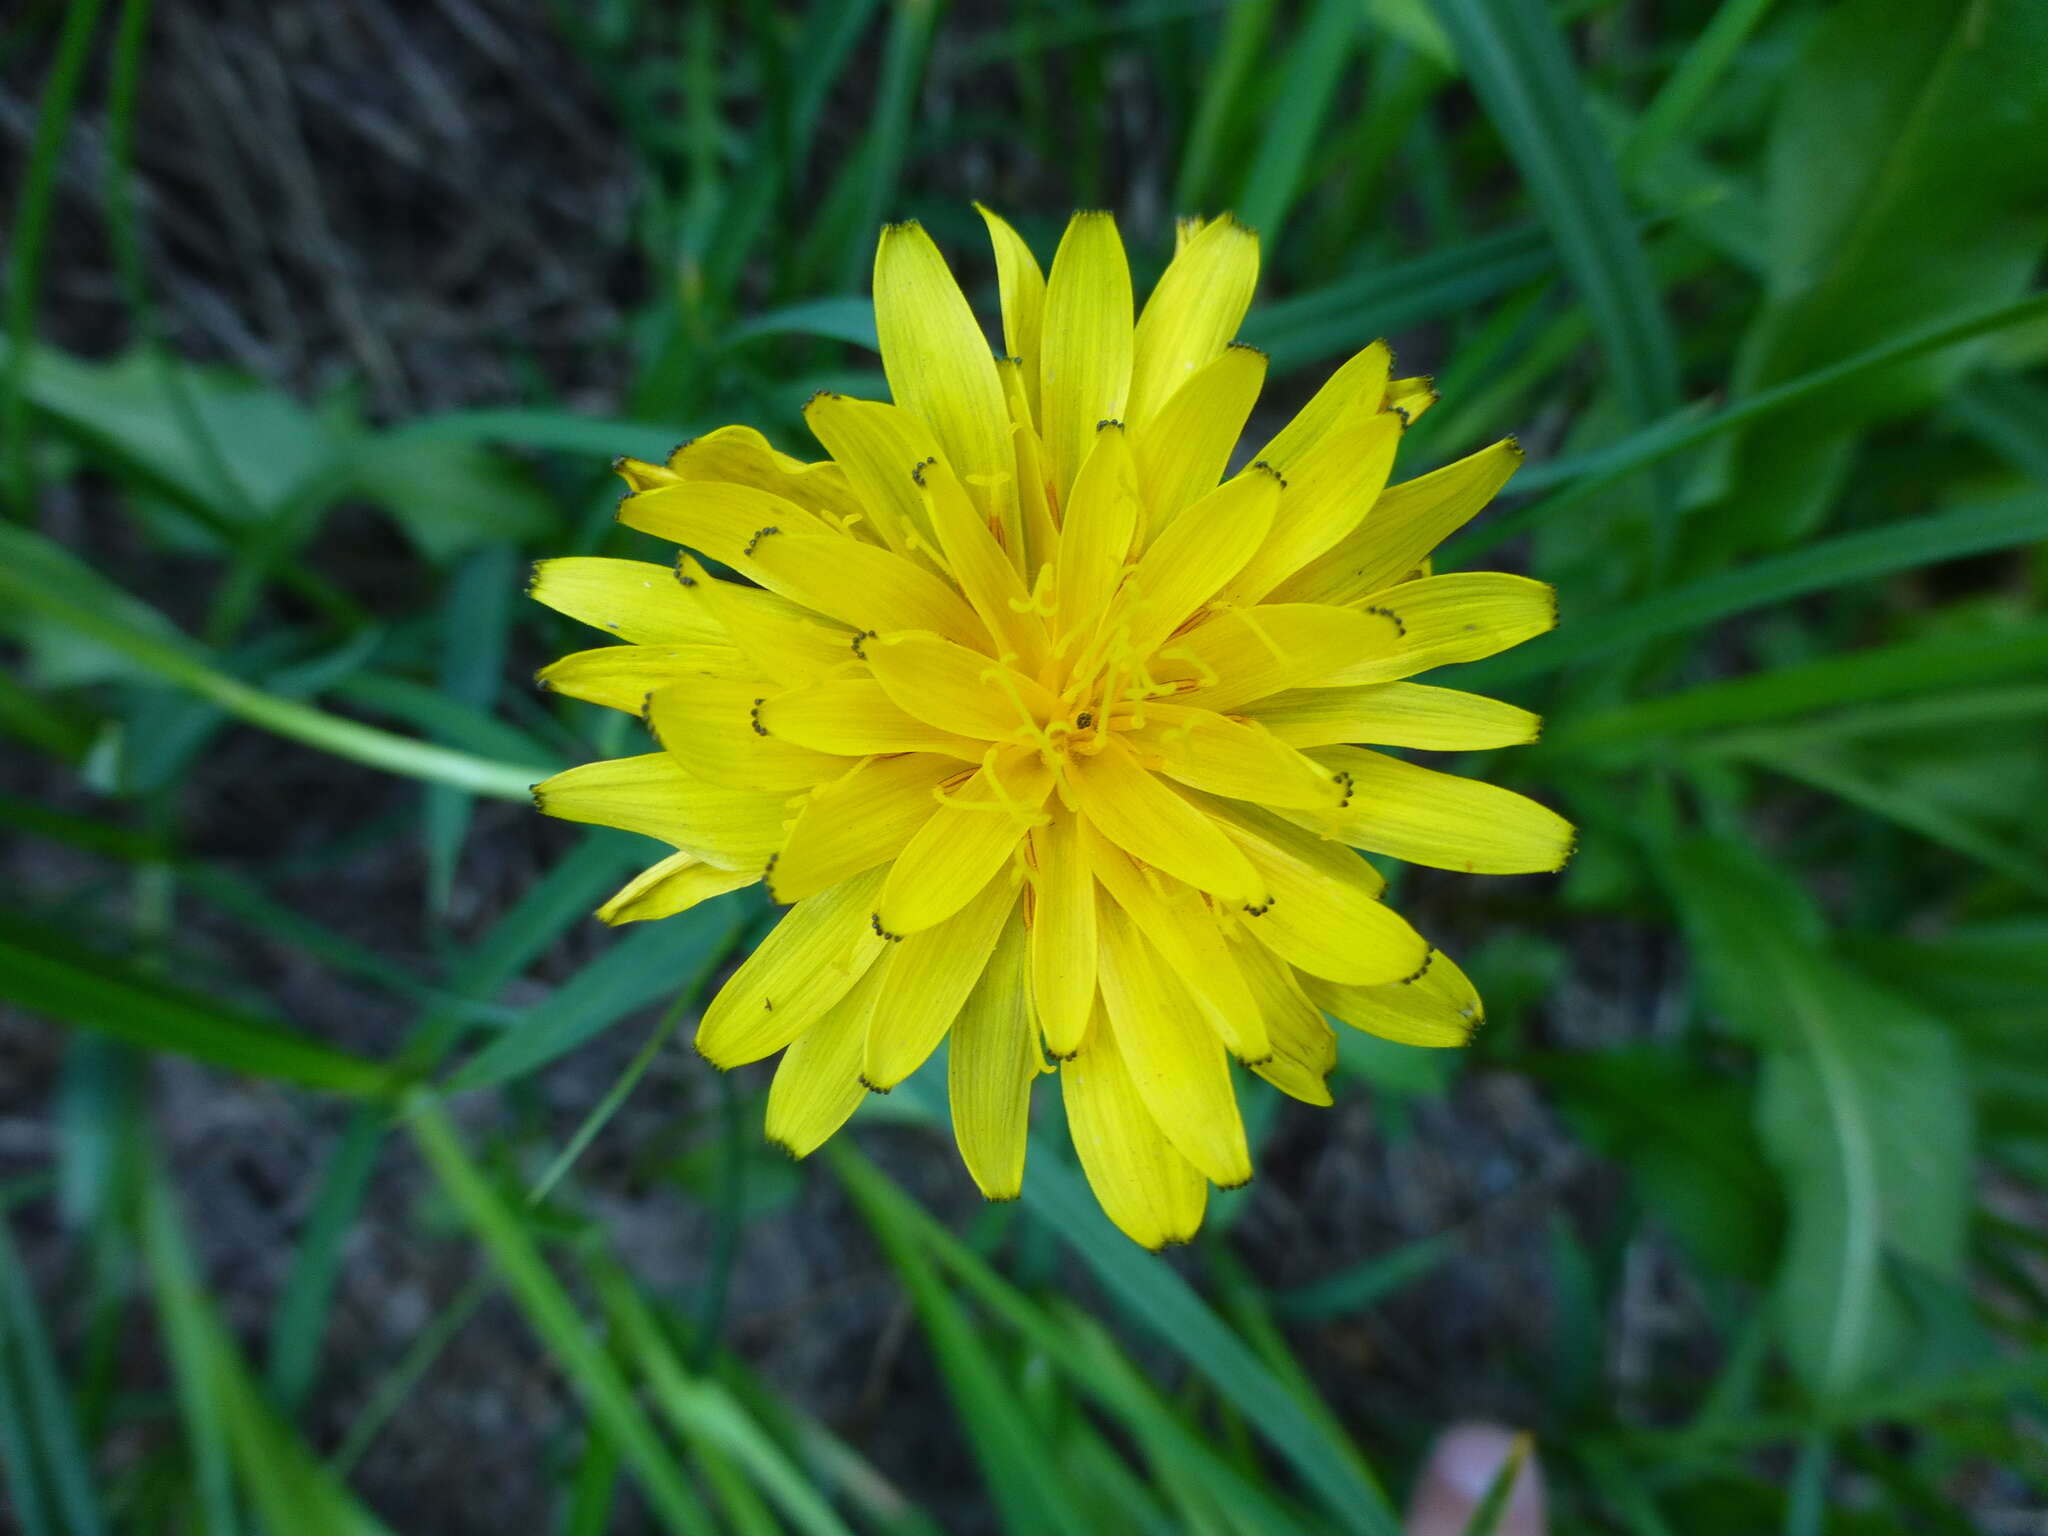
1049	727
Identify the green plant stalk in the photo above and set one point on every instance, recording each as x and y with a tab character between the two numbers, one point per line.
284	717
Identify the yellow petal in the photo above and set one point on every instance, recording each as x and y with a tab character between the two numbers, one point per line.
939	363
955	688
1445	619
1037	541
674	885
1061	912
1085	356
1100	528
1237	758
653	795
929	978
982	568
633	599
1176	1063
1179	924
1184	449
780	639
1156	826
1405	524
879	445
953	855
1193	313
855	717
640	475
1396	715
1304	1046
1437	1007
1411	397
1330	488
859	820
709	725
1325	915
1145	1186
725	521
622	676
1022	287
1439	819
866	587
1196	556
742	456
1361	382
806	964
817	1084
1245	654
991	1064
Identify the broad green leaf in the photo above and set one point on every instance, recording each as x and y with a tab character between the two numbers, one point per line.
1900	192
1324	47
449	496
1862	1108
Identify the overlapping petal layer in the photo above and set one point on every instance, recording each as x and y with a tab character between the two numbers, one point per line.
1059	736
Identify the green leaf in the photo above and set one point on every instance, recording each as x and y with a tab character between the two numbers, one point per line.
42	1409
851	320
47	974
1862	1107
447	495
1899	193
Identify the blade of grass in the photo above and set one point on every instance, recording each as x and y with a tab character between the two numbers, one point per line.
616	1095
1245	30
475	620
1090	1359
702	1410
46	974
1493	1504
49	1412
552	1315
1517	62
1882	672
1359	1286
31	230
679	954
878	168
181	1304
1678	101
1329	39
37	576
1847	558
397	1385
1818	771
1586	477
564	895
1347	314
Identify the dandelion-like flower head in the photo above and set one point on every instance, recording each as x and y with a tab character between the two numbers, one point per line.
1055	735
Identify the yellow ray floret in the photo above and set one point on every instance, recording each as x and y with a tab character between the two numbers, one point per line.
1059	740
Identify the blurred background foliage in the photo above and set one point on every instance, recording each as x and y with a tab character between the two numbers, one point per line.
352	1181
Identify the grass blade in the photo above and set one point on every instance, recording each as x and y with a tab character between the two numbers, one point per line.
1846	558
1910	667
44	973
554	1319
49	1414
1324	48
1519	67
1694	425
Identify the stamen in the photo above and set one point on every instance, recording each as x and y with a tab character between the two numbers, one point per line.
1040	601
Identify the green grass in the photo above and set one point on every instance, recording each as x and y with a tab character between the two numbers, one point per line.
1762	285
